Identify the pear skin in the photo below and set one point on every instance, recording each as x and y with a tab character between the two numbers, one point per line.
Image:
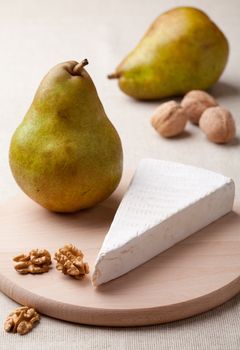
66	154
183	50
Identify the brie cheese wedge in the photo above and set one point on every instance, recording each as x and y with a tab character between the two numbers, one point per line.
165	203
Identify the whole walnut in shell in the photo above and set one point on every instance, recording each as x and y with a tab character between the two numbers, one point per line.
195	103
169	119
218	124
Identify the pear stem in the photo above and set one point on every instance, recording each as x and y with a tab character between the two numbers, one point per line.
78	68
114	75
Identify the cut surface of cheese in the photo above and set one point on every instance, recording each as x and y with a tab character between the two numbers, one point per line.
165	203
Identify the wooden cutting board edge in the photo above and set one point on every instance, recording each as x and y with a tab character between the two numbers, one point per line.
120	317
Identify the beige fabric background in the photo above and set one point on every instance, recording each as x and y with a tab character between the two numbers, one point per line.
35	35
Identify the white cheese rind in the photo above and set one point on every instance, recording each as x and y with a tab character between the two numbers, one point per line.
165	203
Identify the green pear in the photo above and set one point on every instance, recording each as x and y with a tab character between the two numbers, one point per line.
183	50
66	155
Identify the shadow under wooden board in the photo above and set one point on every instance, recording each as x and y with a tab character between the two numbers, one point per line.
194	276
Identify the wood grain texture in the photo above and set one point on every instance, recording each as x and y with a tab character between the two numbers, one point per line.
194	276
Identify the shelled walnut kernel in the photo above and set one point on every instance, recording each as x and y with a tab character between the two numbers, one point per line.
35	262
70	262
21	320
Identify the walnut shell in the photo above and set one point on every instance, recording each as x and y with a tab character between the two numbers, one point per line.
195	103
169	119
218	124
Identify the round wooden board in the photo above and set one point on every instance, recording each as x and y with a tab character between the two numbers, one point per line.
194	276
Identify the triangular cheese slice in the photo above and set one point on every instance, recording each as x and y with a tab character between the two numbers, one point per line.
165	203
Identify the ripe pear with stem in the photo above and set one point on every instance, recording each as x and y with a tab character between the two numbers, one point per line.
183	50
66	154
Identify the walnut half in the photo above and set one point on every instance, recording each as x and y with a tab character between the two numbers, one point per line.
35	262
21	320
70	261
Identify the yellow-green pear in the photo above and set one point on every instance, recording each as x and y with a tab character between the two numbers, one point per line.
183	50
66	155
